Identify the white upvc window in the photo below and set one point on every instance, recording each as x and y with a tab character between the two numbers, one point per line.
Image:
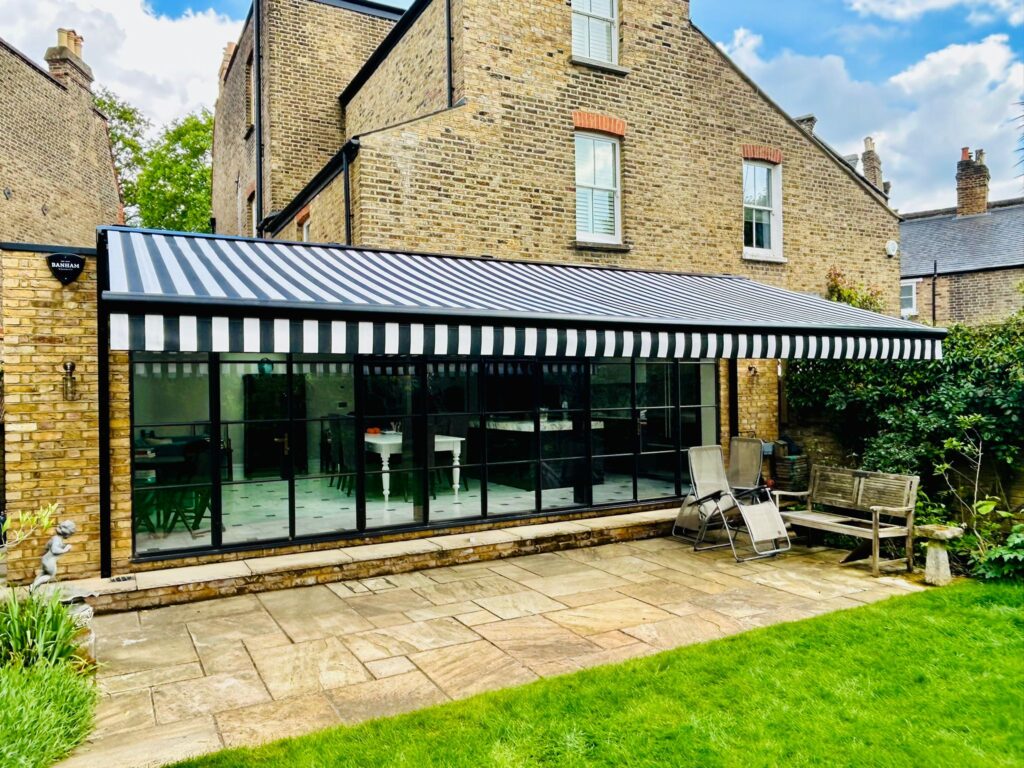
762	211
595	30
908	298
598	198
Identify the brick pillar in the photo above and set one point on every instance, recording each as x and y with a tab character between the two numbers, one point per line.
872	163
972	177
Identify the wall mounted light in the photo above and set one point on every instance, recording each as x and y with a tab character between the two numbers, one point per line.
70	382
752	370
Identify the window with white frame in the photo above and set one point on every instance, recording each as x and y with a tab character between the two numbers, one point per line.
762	211
598	216
908	298
595	30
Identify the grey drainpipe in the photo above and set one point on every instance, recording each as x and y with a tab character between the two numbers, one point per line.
257	63
935	279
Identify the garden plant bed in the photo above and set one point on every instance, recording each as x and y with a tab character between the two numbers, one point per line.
930	678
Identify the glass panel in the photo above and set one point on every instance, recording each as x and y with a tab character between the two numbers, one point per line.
452	387
698	426
604	164
561	387
601	39
657	432
653	384
404	505
510	437
170	390
563	437
697	384
603	212
510	386
253	389
584	160
325	505
390	390
445	503
563	484
584	210
581	5
334	453
510	488
612	432
171	517
613	479
172	455
252	512
258	451
656	475
610	385
603	8
452	435
762	229
748	228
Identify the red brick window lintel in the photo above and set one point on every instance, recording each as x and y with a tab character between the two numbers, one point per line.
591	121
763	153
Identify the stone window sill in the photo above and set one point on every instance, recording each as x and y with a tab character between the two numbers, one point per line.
583	245
603	66
765	256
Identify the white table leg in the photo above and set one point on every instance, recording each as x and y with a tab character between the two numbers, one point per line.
456	469
385	478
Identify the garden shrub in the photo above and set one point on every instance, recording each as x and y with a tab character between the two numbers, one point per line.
1005	562
957	422
38	630
45	711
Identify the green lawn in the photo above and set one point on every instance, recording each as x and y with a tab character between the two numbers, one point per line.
932	679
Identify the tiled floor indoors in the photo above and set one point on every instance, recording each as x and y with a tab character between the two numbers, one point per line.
195	678
258	511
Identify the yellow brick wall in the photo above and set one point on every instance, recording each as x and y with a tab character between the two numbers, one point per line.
973	298
310	52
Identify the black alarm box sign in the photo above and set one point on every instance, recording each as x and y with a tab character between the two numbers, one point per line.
66	267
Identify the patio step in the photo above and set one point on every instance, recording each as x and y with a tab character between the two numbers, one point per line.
170	586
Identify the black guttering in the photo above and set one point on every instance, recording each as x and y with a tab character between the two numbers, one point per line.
340	163
380	10
448	35
43	248
381	53
103	388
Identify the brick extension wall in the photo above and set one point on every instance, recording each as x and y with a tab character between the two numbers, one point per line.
55	162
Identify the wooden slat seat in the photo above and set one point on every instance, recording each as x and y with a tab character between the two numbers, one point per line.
861	499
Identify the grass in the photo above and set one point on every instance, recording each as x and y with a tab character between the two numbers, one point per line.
931	679
44	712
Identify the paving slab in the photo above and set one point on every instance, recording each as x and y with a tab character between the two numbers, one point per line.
386	697
534	639
207	695
312	613
145	648
408	638
466	670
306	668
274	720
603	617
519	604
149	747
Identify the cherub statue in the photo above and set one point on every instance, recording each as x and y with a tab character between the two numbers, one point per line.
54	549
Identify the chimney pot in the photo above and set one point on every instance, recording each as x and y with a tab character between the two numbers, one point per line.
979	157
65	60
965	153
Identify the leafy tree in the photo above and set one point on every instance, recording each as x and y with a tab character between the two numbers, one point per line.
128	128
174	187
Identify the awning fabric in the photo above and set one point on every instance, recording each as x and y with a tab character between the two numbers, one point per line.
192	293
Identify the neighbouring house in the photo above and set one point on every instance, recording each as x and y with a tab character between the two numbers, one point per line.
57	184
964	264
631	236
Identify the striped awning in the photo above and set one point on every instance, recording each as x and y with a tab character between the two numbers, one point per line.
193	293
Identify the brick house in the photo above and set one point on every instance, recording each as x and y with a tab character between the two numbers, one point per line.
616	286
58	184
964	264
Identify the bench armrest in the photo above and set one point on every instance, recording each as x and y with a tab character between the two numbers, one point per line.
891	510
794	494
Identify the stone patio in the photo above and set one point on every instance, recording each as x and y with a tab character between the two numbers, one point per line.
188	679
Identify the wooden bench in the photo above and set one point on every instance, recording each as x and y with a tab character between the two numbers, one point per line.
864	498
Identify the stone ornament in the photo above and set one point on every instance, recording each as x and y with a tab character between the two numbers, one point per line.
56	547
936	568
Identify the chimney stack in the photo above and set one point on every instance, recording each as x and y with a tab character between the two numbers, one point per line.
872	163
807	122
972	178
65	60
225	62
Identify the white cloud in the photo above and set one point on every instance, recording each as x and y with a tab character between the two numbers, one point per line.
166	67
920	118
979	11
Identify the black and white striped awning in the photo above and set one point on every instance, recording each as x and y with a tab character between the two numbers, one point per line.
192	293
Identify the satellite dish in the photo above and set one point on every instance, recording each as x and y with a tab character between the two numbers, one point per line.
892	248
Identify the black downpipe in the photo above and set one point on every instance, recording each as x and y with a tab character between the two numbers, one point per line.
103	387
257	63
449	44
348	195
734	397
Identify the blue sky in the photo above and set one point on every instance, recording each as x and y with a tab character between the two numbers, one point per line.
923	77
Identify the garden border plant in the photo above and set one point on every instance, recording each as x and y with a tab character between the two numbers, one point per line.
957	422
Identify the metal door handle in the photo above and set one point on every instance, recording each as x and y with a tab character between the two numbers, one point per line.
283	440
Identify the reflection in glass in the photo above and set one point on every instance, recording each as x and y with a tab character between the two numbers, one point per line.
325	505
610	385
253	512
563	483
511	489
656	475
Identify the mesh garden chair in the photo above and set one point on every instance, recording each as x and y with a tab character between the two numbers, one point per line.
745	458
714	505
